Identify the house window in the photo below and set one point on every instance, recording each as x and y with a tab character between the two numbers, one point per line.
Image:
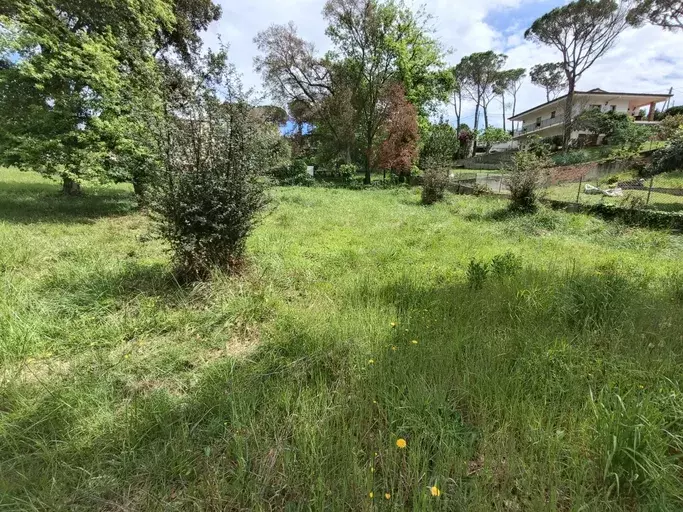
538	122
552	115
596	107
613	108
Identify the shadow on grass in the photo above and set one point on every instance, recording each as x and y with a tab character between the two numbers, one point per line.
31	203
120	284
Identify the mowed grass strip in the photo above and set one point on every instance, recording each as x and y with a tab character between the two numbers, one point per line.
545	375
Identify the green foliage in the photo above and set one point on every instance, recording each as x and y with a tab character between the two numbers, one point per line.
440	147
295	174
670	125
209	187
551	77
477	272
664	13
669	158
434	183
493	135
525	174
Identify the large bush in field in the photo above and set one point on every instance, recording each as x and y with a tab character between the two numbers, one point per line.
670	125
210	183
525	173
434	184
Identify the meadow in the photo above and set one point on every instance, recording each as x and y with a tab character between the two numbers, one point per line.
371	354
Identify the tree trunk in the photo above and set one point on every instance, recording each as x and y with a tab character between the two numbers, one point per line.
70	187
568	106
140	189
457	105
504	126
474	132
486	116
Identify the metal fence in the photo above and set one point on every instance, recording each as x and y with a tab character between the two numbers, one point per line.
663	193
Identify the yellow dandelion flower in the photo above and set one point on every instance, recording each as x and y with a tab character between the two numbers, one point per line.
393	325
371	495
436	492
372	470
401	443
387	496
371	361
126	356
374	402
394	348
414	342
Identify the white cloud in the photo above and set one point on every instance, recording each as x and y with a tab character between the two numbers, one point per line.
645	60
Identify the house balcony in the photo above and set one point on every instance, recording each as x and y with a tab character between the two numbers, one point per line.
537	126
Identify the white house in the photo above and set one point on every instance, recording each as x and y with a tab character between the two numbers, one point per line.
547	120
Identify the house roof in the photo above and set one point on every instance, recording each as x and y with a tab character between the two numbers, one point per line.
593	92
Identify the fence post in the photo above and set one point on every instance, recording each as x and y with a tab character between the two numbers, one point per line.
500	183
649	191
578	194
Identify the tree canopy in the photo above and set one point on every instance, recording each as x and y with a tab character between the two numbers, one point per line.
551	77
667	14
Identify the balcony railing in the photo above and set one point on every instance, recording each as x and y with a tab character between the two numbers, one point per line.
528	128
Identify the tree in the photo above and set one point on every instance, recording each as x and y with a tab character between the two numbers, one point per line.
493	135
375	44
456	95
667	14
478	74
82	71
583	31
509	82
551	77
440	148
398	151
190	18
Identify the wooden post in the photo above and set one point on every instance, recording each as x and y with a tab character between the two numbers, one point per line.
578	194
649	192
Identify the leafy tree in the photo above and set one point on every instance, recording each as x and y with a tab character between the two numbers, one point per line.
190	18
376	44
478	75
667	14
399	151
509	82
493	135
440	148
582	31
81	73
551	77
524	175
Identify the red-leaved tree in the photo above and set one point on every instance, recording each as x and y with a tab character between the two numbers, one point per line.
398	152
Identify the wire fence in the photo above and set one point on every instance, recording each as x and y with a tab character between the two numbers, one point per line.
663	192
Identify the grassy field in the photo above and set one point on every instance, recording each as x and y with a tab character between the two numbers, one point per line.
545	376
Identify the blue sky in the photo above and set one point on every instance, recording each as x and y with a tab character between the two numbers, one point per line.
645	60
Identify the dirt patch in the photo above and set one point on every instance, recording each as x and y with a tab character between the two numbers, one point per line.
33	371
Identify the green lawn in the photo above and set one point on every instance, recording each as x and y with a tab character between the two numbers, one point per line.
551	384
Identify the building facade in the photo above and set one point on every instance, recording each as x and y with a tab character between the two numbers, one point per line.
547	120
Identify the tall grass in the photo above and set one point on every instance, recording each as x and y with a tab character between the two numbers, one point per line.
553	384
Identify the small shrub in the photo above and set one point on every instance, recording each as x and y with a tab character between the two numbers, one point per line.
524	176
669	158
506	265
433	186
669	126
477	272
295	174
347	172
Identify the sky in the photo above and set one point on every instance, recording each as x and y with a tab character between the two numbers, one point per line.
645	60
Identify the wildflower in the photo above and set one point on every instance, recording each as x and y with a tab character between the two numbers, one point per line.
393	325
436	492
371	495
371	361
374	402
387	496
401	443
414	342
126	356
372	470
394	348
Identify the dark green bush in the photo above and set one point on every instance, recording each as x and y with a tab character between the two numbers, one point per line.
434	185
477	272
669	158
295	174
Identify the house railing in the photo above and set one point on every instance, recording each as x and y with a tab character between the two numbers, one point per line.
532	127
